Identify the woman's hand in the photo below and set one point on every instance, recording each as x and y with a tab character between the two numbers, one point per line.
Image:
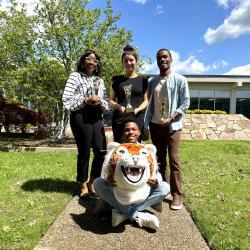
122	109
93	100
136	111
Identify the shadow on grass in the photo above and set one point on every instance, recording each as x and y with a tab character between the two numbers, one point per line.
97	223
51	185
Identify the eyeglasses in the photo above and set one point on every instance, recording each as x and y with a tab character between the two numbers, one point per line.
92	60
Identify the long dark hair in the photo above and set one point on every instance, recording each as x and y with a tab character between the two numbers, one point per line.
129	50
80	63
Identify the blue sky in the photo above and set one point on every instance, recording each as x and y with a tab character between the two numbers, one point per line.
205	36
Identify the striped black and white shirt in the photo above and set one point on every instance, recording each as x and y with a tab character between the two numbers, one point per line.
79	86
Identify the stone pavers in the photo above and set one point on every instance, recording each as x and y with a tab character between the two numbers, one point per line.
77	228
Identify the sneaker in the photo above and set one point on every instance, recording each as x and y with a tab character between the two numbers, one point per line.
148	220
117	218
176	203
157	207
168	197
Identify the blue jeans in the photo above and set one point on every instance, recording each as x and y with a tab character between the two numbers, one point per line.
105	192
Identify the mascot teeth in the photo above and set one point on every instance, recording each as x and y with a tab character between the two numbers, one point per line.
133	173
127	168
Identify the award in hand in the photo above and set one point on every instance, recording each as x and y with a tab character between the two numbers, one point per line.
129	109
95	89
163	109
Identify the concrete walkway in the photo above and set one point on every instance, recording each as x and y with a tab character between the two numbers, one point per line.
78	228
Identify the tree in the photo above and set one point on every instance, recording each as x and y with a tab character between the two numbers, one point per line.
56	35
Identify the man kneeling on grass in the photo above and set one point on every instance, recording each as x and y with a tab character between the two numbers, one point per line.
130	181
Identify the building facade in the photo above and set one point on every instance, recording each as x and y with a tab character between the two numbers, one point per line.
229	93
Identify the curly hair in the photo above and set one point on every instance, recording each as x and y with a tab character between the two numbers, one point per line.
80	63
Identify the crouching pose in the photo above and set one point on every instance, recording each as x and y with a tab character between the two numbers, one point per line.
131	183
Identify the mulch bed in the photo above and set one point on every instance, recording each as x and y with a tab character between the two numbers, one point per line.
29	140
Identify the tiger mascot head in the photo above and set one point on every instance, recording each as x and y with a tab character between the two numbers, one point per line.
128	168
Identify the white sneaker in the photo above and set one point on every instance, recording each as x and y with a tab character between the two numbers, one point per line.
148	220
117	218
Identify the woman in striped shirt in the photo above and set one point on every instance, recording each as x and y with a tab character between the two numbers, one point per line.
86	99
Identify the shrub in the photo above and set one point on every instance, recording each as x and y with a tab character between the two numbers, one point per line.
17	116
205	111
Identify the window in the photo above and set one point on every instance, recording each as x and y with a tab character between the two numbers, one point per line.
222	104
243	106
215	99
194	103
206	103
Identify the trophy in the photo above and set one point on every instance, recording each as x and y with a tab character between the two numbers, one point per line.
163	109
95	89
129	108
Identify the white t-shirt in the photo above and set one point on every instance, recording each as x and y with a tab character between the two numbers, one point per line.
161	102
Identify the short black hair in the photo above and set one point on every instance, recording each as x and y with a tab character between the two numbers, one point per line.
82	59
130	119
164	50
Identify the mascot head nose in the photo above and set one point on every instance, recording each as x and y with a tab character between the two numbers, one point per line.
135	158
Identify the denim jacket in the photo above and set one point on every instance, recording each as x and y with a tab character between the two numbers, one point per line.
178	96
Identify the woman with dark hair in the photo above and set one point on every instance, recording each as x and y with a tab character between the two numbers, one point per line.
86	99
128	94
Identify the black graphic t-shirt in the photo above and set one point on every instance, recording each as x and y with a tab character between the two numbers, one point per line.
139	87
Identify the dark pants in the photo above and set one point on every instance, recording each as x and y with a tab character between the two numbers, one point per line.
88	132
167	142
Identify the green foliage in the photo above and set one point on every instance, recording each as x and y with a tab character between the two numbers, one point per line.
205	111
216	185
37	52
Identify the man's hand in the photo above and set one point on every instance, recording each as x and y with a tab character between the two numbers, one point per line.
167	121
152	182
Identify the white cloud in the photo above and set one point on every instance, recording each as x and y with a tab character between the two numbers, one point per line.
29	5
242	70
159	9
4	5
237	24
223	3
149	68
191	65
140	1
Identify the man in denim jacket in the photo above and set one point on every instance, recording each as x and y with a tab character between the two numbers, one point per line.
168	99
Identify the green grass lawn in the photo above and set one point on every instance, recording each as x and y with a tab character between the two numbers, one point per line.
216	184
36	187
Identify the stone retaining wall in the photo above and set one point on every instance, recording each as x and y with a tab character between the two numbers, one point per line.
207	127
215	127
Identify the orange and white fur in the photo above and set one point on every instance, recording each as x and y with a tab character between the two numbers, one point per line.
129	168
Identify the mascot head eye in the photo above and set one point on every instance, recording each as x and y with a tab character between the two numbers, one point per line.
121	150
144	152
